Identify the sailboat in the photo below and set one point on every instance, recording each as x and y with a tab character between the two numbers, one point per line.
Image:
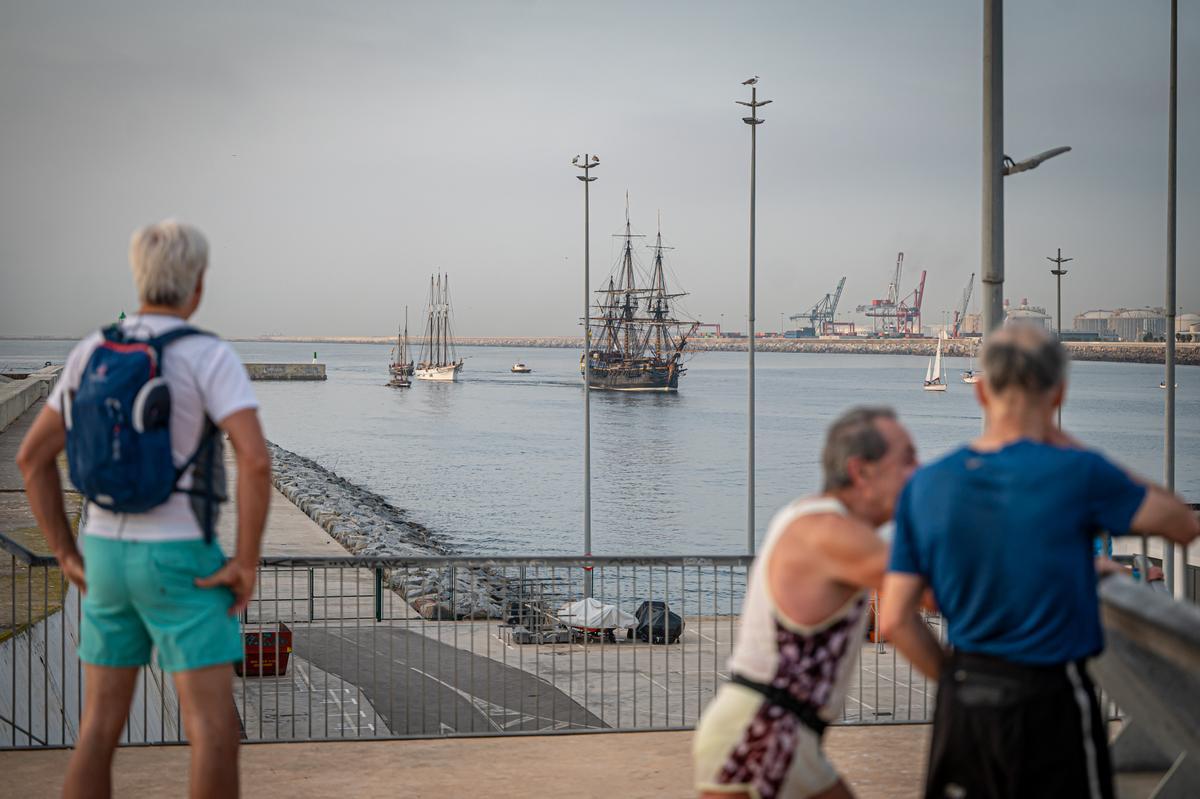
636	342
401	367
439	361
935	378
971	374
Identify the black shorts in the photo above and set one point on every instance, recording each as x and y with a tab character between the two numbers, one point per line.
1006	730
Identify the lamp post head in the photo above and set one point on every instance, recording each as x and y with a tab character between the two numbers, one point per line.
1013	167
588	162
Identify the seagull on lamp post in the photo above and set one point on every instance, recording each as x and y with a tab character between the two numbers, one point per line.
751	81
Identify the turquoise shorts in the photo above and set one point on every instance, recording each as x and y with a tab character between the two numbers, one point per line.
143	594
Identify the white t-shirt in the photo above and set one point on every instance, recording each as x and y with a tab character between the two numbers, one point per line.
206	378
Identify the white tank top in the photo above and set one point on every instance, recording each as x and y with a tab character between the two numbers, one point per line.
811	662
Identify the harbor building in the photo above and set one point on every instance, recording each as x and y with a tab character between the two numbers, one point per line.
1126	324
1026	314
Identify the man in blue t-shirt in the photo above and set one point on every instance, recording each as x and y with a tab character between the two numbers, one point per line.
1001	530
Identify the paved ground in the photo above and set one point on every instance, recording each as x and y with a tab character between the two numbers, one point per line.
879	762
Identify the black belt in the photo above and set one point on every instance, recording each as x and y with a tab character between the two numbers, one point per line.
778	696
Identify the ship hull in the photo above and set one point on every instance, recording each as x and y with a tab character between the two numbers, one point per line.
441	374
633	379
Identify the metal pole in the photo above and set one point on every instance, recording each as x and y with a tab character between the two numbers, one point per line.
1060	331
1174	556
750	349
753	121
992	229
586	177
1058	272
587	385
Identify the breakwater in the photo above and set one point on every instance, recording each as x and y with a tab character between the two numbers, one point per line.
1187	354
369	526
286	371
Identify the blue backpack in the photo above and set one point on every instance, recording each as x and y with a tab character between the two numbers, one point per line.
118	432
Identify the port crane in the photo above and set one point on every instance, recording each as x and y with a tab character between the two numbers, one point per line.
820	318
894	316
960	313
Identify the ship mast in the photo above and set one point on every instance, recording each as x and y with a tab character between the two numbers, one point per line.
404	341
658	302
628	304
445	320
428	352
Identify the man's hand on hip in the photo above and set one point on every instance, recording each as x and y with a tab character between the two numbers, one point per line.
238	577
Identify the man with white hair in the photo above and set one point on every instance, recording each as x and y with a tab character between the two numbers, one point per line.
805	613
1001	530
154	578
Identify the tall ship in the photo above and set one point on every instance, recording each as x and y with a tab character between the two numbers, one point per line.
439	360
636	342
401	364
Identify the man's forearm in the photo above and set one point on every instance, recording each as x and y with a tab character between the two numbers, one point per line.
253	498
43	488
914	640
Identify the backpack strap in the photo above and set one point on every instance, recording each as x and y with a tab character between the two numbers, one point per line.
204	456
159	343
208	436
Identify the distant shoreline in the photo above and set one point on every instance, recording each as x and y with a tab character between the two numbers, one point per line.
1110	352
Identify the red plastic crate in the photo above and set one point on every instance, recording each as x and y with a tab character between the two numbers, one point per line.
260	646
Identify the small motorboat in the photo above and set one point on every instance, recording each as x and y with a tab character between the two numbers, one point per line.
519	368
400	381
1163	385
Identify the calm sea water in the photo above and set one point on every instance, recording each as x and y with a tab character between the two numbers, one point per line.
494	463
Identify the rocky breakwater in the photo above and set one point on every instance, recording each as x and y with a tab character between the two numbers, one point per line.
369	526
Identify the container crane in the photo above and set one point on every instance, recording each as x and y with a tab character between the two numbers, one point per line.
893	315
961	312
820	318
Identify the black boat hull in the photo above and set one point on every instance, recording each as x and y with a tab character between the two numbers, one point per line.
634	379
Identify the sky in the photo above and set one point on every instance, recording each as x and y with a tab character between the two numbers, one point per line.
338	154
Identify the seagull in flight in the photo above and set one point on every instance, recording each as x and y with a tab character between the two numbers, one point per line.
750	82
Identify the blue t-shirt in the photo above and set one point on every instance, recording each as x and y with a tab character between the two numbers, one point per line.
1004	539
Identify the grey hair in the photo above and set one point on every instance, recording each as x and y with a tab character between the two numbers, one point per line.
167	259
1023	357
853	435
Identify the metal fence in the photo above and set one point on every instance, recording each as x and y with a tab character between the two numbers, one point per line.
417	647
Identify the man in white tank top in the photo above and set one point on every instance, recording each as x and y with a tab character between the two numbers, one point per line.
803	621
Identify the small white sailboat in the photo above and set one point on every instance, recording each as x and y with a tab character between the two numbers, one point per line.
520	368
935	377
971	375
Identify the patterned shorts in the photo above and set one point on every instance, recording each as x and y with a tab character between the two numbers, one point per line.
745	745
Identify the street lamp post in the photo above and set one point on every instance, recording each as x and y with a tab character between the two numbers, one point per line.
589	162
1174	556
753	121
1058	272
996	166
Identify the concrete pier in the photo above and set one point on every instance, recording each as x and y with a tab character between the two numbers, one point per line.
286	371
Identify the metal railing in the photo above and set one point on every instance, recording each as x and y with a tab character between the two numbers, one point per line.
417	647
